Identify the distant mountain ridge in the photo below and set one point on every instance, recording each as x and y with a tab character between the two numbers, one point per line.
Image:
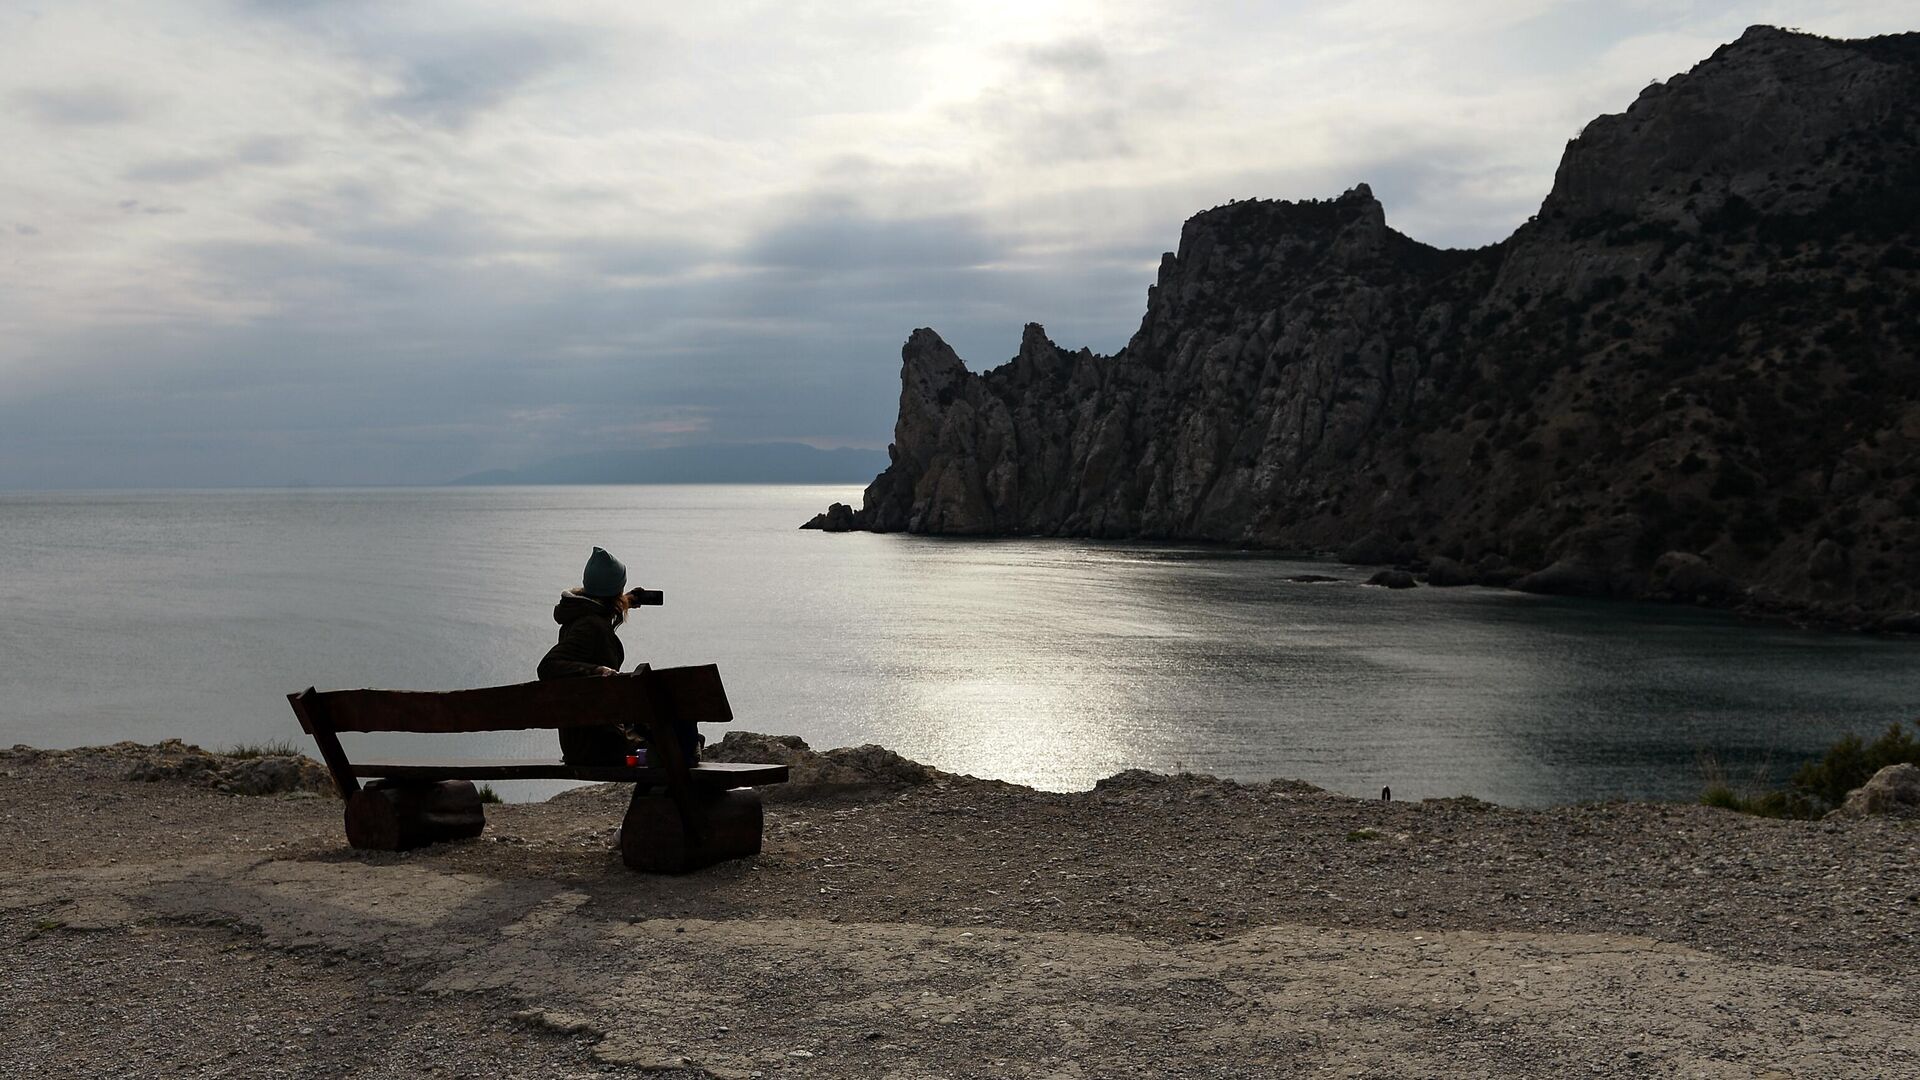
720	463
1695	374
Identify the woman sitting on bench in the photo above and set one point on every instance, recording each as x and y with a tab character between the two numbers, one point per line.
588	646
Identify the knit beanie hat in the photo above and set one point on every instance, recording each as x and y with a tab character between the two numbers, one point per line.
605	575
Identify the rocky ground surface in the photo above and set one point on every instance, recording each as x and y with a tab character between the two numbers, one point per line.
906	923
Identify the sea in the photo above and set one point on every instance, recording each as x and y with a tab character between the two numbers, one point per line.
1052	663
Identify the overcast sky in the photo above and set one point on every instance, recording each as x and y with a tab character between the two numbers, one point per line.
385	242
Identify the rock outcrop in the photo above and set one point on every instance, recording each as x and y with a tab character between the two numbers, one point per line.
813	773
273	770
238	774
1393	579
1705	348
1894	791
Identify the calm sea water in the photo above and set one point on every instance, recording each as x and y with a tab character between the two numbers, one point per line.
1051	663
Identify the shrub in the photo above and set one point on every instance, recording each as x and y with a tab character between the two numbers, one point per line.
1817	786
1851	762
1773	804
488	795
260	750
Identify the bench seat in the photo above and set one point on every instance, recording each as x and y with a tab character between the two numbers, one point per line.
711	775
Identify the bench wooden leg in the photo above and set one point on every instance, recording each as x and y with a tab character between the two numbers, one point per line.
390	816
654	838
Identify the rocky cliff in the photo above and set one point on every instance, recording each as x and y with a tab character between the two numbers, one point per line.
1695	373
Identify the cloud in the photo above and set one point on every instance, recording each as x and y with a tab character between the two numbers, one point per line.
77	106
832	234
260	150
367	242
135	206
442	65
1071	101
454	81
1073	56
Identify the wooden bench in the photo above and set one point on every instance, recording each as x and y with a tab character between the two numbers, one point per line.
683	815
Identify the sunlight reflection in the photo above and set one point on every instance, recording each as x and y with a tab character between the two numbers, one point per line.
1023	731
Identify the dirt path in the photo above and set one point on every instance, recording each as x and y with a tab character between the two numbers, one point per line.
1156	928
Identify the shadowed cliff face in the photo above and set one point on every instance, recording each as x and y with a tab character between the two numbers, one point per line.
1694	374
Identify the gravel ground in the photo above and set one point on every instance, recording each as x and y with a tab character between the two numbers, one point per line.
1156	926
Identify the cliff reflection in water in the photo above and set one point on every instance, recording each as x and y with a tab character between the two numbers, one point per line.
1045	662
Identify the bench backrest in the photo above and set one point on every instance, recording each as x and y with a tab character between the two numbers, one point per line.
692	694
655	701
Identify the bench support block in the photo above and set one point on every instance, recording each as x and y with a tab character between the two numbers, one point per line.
391	816
655	837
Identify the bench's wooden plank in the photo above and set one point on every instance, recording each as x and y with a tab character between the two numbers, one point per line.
313	720
706	774
694	693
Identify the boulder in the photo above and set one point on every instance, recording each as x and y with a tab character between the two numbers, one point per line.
1370	550
1501	578
1443	573
1907	622
1393	579
276	775
1565	578
1682	575
265	774
1894	791
1494	570
839	518
1130	780
845	770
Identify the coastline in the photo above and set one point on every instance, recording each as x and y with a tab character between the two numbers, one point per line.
906	922
1765	609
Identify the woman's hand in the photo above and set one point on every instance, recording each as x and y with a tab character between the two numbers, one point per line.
605	671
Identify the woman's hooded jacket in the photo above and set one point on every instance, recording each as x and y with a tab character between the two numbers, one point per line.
587	641
587	644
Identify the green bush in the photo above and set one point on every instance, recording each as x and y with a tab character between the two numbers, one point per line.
1773	804
488	795
1817	786
1851	762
